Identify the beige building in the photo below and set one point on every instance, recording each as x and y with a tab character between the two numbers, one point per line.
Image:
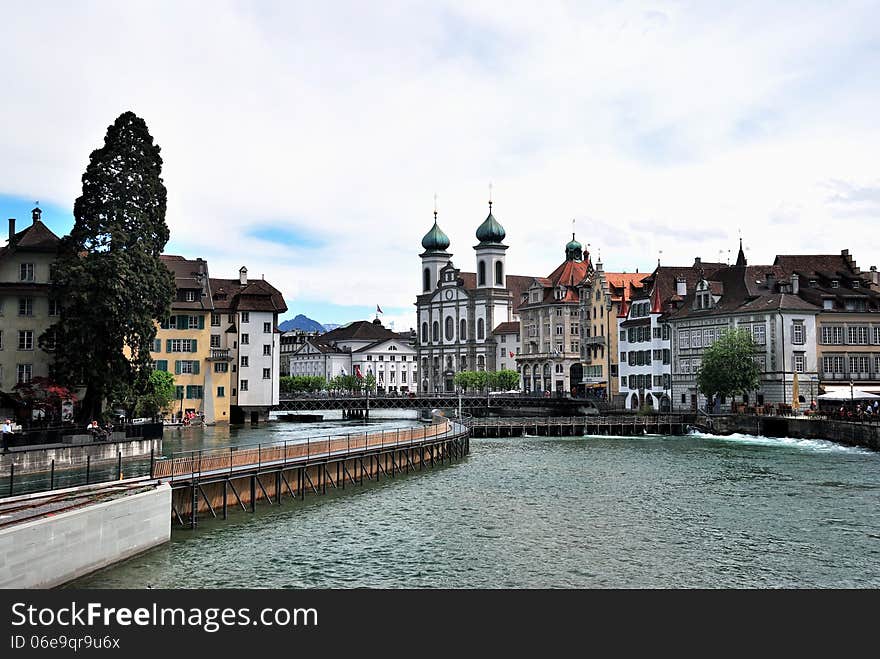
26	310
550	326
848	323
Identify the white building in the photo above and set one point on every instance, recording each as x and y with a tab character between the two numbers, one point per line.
457	310
644	343
363	348
762	300
248	311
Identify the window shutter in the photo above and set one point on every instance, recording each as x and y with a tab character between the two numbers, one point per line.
195	367
167	345
177	367
194	345
202	321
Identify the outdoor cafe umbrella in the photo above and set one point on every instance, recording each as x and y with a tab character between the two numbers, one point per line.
847	394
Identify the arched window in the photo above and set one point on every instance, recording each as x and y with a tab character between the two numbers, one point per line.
481	363
426	279
462	361
450	328
449	363
462	330
481	273
424	332
499	273
481	329
435	332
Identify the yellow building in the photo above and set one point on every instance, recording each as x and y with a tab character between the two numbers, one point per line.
183	345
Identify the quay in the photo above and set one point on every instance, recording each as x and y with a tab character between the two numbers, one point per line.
50	538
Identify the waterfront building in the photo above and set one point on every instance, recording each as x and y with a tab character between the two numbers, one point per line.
848	323
550	325
644	349
26	308
291	342
245	336
603	297
509	345
183	343
458	311
761	300
362	347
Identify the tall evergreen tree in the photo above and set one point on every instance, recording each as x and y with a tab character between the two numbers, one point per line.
108	276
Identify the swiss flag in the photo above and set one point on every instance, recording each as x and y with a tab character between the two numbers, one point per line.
511	355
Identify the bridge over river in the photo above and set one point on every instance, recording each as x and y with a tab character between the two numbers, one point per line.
474	404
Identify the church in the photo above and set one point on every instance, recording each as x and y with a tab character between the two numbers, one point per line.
461	315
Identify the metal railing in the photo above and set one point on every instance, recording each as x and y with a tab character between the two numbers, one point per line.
195	464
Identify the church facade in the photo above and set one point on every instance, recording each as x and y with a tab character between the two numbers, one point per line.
458	312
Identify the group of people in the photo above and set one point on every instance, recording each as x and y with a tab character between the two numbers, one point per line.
191	418
98	432
863	411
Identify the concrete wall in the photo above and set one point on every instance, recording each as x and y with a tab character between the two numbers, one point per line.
35	460
53	550
866	435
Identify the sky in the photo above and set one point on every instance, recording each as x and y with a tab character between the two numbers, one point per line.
307	140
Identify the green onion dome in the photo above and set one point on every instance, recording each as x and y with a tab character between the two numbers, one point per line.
573	245
490	231
435	240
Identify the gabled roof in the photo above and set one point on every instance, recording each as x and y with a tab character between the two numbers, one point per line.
510	327
360	330
36	238
376	344
255	295
189	274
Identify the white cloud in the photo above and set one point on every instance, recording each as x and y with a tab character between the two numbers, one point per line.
346	119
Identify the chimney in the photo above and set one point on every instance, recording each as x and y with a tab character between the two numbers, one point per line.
698	261
11	229
795	283
770	279
875	279
681	286
201	263
242	276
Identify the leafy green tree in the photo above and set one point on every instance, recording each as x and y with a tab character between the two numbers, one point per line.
160	394
507	379
108	273
369	382
728	366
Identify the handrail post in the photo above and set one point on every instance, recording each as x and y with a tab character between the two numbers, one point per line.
11	477
152	460
52	476
230	460
88	470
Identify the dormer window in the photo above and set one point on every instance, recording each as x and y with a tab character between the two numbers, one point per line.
813	283
835	283
855	283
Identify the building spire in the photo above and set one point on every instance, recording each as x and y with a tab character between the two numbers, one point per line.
490	198
435	207
741	257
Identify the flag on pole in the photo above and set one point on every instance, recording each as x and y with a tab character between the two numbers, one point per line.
511	355
379	309
357	372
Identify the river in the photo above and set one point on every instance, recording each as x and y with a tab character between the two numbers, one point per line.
560	512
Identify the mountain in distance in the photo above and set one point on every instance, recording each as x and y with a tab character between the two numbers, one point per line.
331	326
302	322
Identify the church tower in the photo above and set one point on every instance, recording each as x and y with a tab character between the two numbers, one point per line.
491	271
435	257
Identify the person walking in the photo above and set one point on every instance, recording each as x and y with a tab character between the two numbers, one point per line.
6	432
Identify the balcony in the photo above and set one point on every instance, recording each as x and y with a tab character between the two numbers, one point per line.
220	355
593	340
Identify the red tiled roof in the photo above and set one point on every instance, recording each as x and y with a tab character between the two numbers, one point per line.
36	237
256	295
509	327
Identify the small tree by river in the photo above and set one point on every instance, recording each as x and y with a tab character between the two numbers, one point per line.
729	366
